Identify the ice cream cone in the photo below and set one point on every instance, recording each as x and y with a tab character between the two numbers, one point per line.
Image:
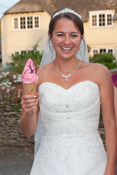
30	88
30	78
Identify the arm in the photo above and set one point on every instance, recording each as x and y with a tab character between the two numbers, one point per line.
107	103
30	111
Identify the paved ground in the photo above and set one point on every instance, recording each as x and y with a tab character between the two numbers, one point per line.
15	161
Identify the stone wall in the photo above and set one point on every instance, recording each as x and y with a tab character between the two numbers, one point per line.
10	112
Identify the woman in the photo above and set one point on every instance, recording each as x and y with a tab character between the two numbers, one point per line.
70	92
114	79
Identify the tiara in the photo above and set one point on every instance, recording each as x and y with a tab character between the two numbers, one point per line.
66	10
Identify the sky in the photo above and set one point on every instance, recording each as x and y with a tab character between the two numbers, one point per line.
5	5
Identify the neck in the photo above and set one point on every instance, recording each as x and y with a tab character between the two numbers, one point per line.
66	65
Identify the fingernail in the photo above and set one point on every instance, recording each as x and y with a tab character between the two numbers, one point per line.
34	96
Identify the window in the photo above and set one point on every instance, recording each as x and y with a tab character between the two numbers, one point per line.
95	52
106	51
30	51
26	23
16	23
29	22
101	18
110	51
94	20
23	52
102	50
16	53
22	23
109	19
37	22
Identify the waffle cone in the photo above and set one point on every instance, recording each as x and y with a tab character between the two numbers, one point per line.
30	89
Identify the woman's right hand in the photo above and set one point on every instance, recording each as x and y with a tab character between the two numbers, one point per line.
30	103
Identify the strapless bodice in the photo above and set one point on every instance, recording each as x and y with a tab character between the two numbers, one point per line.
74	111
70	143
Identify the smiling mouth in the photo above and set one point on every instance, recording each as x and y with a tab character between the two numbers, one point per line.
66	48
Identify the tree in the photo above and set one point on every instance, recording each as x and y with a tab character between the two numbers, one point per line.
106	59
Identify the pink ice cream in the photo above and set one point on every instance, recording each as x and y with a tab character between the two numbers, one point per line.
29	74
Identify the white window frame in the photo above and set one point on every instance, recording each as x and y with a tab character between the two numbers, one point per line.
29	21
102	51
34	21
23	24
14	23
110	49
26	16
98	49
16	52
19	51
92	51
100	12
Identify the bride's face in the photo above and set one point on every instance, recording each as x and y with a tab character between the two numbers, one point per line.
66	39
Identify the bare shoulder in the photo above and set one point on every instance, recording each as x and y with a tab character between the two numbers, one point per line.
101	73
96	67
101	70
97	72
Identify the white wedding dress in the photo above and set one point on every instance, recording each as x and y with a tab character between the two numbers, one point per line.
71	144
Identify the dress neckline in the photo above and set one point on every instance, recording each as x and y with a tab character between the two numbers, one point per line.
85	81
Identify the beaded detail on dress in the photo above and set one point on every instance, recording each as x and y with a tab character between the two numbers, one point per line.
71	144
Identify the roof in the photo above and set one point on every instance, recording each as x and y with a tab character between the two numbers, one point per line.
84	6
81	6
25	6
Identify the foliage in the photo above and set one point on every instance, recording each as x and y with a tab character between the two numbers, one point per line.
106	59
17	108
20	60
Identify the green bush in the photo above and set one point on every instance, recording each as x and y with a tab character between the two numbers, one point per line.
106	59
20	60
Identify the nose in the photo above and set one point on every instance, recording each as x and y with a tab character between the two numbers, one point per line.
67	40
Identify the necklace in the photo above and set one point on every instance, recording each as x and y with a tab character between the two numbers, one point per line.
69	75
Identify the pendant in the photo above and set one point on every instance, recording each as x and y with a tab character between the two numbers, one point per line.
66	76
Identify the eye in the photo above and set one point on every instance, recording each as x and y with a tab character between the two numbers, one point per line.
74	35
60	34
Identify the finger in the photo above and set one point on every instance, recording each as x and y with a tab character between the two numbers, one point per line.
31	109
34	103
29	101
29	97
28	109
37	95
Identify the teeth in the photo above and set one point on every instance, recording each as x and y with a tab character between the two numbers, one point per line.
66	48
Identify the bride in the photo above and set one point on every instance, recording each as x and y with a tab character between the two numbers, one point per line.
70	91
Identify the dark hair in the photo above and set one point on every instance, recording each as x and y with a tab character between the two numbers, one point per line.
75	19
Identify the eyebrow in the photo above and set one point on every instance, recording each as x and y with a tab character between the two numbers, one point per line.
71	32
59	32
75	32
